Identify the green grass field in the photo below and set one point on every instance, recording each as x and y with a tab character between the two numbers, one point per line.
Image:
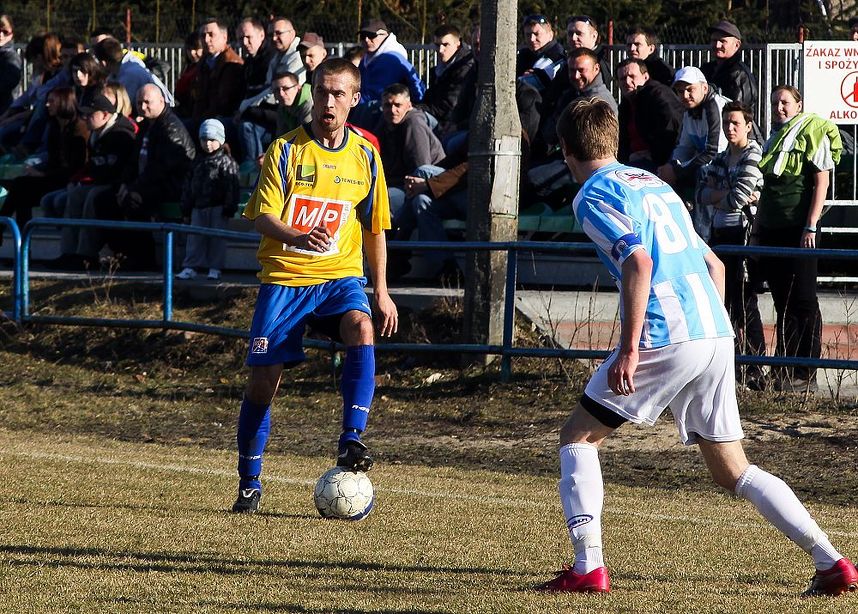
117	467
94	525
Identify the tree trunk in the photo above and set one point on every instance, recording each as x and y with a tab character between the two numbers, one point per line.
493	172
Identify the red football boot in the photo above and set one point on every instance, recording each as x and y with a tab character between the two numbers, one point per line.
841	578
567	581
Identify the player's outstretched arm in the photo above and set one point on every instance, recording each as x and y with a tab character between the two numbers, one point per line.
386	315
317	240
716	271
636	278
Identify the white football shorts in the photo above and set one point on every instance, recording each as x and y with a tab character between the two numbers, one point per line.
696	379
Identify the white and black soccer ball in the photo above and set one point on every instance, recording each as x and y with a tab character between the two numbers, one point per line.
344	494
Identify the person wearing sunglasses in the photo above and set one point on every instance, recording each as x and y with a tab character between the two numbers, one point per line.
542	57
10	63
384	63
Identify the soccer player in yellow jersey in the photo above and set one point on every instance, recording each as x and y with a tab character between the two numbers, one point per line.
320	202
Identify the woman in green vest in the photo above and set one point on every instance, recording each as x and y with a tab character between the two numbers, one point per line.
797	162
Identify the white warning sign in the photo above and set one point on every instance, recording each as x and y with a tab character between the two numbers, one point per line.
831	80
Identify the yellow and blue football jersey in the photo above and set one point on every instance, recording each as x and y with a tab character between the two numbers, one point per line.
307	185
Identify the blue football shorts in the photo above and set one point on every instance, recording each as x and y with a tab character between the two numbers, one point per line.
283	312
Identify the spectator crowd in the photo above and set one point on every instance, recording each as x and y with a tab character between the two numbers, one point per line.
101	137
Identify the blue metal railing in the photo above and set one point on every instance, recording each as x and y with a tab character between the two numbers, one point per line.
17	277
506	350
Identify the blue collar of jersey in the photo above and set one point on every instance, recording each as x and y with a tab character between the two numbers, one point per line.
308	128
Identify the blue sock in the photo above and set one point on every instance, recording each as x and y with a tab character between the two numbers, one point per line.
254	424
358	386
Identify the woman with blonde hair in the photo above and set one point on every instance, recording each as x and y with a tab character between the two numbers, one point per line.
117	93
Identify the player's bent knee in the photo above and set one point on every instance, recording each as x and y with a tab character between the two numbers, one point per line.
726	461
259	395
262	384
582	427
356	329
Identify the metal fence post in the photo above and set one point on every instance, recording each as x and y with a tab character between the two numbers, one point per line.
168	275
16	265
509	312
24	268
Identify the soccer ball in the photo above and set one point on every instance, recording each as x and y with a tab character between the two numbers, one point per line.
344	494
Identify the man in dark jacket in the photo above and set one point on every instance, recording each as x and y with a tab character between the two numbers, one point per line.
542	57
258	52
164	156
650	117
727	72
446	81
219	86
155	176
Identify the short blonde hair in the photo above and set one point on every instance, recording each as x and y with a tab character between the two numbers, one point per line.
338	66
588	130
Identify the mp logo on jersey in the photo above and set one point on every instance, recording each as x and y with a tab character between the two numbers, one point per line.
308	212
638	179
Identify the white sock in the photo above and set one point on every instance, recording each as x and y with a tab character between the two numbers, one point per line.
582	494
777	503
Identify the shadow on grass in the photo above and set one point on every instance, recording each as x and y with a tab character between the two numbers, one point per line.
149	508
248	605
205	563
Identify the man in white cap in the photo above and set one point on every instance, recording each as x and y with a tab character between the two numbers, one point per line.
700	138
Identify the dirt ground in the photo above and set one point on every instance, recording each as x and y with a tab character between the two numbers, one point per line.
184	389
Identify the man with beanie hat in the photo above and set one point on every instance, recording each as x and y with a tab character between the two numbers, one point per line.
727	72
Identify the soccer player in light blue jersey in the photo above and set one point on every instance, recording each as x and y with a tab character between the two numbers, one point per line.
675	349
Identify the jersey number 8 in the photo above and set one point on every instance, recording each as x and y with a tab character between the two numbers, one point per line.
667	212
